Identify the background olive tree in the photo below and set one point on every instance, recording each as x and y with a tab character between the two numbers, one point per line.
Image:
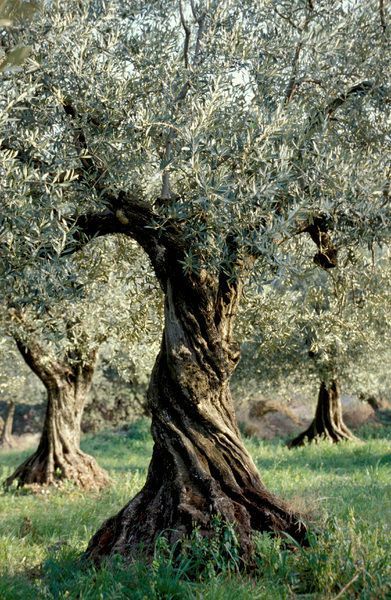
17	387
59	336
317	328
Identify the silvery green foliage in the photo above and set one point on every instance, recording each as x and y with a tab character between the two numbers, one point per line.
319	326
103	301
245	118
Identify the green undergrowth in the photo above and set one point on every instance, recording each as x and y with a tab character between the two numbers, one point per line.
344	490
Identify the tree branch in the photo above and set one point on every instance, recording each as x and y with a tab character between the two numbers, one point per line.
35	358
200	33
91	225
286	18
181	95
187	35
292	84
137	220
91	169
318	230
193	9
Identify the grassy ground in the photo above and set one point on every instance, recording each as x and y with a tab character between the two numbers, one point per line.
345	488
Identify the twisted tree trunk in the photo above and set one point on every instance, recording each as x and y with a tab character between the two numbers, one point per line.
199	466
6	440
328	422
58	456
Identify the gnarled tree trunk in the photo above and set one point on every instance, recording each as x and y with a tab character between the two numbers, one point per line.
6	439
199	466
58	456
328	422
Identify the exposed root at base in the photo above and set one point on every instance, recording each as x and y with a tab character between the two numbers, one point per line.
42	469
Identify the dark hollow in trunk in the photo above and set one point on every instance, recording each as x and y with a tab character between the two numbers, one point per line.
58	456
6	439
328	422
199	466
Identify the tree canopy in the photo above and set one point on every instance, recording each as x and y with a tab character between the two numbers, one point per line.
235	125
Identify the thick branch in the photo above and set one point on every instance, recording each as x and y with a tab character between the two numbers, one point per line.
360	89
35	358
137	220
292	85
327	257
318	230
91	225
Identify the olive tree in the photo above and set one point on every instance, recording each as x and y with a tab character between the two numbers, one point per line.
59	340
210	133
347	334
321	328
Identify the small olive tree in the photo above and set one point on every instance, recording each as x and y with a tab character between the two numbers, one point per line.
325	328
59	340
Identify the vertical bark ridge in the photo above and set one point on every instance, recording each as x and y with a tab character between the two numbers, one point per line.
199	466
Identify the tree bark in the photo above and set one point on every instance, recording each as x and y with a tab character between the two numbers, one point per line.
58	456
6	440
328	422
199	466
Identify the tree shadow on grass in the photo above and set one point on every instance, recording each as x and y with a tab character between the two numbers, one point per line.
64	574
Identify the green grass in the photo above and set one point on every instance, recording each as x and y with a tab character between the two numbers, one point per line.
345	489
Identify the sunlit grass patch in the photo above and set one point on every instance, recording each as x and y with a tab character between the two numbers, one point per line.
345	488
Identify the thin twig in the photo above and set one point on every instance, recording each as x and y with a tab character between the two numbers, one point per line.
187	35
287	18
345	588
200	19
